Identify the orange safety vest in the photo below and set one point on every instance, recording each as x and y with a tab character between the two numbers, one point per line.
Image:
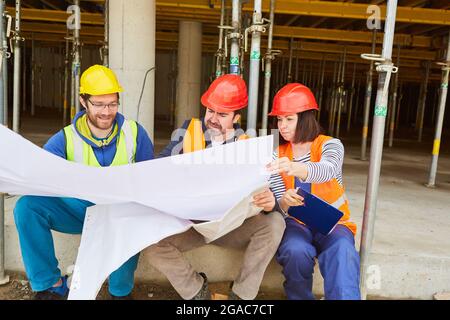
194	138
331	191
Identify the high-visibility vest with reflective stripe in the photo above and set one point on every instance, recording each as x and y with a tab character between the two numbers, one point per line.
78	150
194	138
331	191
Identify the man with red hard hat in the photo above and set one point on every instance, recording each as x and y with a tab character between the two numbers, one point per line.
259	236
223	101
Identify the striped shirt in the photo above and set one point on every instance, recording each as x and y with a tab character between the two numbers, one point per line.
329	167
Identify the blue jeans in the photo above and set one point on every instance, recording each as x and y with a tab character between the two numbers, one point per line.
35	217
337	256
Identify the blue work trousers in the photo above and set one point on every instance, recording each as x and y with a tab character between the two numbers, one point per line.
35	217
337	257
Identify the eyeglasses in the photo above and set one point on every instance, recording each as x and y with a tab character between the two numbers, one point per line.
101	106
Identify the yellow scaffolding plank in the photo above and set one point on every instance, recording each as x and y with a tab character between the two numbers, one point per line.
332	9
347	36
306	46
291	7
56	16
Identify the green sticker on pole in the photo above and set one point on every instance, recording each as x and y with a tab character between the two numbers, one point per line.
381	111
444	86
255	55
234	60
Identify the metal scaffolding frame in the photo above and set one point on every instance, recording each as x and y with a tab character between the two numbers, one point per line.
3	69
440	118
385	68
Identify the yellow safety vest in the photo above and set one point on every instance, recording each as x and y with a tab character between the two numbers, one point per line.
78	150
331	191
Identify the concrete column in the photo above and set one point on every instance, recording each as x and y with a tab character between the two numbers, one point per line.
189	71
132	57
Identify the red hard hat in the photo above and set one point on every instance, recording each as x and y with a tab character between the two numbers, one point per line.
293	98
227	93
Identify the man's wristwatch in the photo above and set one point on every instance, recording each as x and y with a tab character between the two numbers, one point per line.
278	208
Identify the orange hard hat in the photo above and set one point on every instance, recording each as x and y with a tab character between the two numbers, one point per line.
225	94
293	98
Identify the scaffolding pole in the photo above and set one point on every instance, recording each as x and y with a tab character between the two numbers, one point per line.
105	49
66	81
399	104
435	98
419	105
235	36
334	105
256	29
173	86
352	94
368	100
33	76
6	56
76	64
278	77
385	69
394	103
242	47
440	118
291	54
269	56
24	77
17	65
40	69
331	98
54	78
3	67
358	92
220	51
3	277
297	58
341	94
60	97
72	93
423	100
310	74
322	76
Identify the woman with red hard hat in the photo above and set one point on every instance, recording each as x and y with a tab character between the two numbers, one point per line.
309	160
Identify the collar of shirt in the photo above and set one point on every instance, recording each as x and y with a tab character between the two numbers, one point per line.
83	128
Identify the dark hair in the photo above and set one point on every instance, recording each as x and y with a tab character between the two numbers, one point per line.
85	97
308	128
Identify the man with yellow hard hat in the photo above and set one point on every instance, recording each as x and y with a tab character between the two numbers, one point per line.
98	136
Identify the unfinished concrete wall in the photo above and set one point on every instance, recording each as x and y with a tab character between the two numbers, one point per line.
49	66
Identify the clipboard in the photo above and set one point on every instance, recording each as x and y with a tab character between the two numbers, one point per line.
316	213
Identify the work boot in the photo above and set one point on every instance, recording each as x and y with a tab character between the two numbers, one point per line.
54	293
204	293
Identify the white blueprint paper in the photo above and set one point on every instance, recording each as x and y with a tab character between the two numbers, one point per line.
232	219
151	199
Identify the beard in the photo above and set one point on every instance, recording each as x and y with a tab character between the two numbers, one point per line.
102	123
216	128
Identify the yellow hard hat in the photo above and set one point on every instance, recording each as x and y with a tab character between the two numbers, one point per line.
99	80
